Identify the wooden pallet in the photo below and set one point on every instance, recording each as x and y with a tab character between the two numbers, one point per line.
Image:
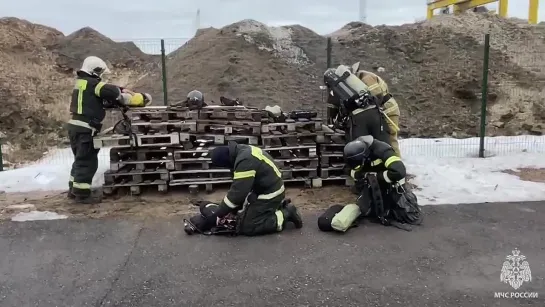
189	175
230	113
331	148
208	184
300	173
338	171
279	139
189	164
142	164
338	180
163	127
161	113
332	160
286	152
291	125
140	154
228	127
188	140
125	175
157	139
136	188
297	163
200	153
331	136
114	140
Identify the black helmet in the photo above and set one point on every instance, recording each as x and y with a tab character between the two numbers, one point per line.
355	153
195	96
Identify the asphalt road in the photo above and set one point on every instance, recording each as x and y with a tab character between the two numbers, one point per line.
453	260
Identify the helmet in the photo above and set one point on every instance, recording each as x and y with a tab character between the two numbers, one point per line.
195	96
94	66
356	152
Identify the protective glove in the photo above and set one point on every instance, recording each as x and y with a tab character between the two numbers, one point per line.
358	175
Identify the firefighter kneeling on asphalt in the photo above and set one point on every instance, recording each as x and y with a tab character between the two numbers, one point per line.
90	99
257	189
379	176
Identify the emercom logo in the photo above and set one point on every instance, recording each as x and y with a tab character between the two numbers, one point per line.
515	271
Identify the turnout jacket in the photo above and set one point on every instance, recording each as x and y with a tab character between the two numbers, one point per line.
88	101
376	85
254	173
382	161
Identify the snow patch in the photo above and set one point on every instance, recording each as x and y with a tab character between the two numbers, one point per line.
281	43
446	170
37	216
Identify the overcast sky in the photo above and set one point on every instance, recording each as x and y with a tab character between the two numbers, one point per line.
136	19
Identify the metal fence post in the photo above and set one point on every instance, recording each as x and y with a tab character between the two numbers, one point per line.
164	70
328	52
1	160
484	95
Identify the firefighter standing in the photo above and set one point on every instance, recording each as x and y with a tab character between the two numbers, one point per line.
90	98
358	116
390	108
258	183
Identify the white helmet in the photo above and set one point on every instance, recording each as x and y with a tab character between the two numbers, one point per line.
94	66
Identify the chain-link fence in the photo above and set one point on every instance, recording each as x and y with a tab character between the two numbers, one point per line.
439	90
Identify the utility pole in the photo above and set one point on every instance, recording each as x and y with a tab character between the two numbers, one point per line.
363	11
198	20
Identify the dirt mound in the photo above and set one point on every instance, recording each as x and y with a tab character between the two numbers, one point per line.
72	49
434	69
37	79
260	65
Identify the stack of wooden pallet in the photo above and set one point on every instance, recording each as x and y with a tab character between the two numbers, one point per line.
330	149
169	147
292	144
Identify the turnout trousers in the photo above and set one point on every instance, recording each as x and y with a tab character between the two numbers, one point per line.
261	216
85	161
391	110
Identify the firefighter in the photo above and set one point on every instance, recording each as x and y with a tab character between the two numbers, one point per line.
379	89
90	98
355	109
380	178
258	186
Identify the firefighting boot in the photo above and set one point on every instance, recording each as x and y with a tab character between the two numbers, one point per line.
70	195
291	214
87	200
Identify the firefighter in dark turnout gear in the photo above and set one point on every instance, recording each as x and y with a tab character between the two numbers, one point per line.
258	187
90	97
362	118
390	109
380	179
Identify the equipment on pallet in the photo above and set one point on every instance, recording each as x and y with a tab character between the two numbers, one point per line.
229	102
302	114
274	114
123	126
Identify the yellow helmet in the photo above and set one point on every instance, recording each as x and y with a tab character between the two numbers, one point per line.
140	100
137	100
